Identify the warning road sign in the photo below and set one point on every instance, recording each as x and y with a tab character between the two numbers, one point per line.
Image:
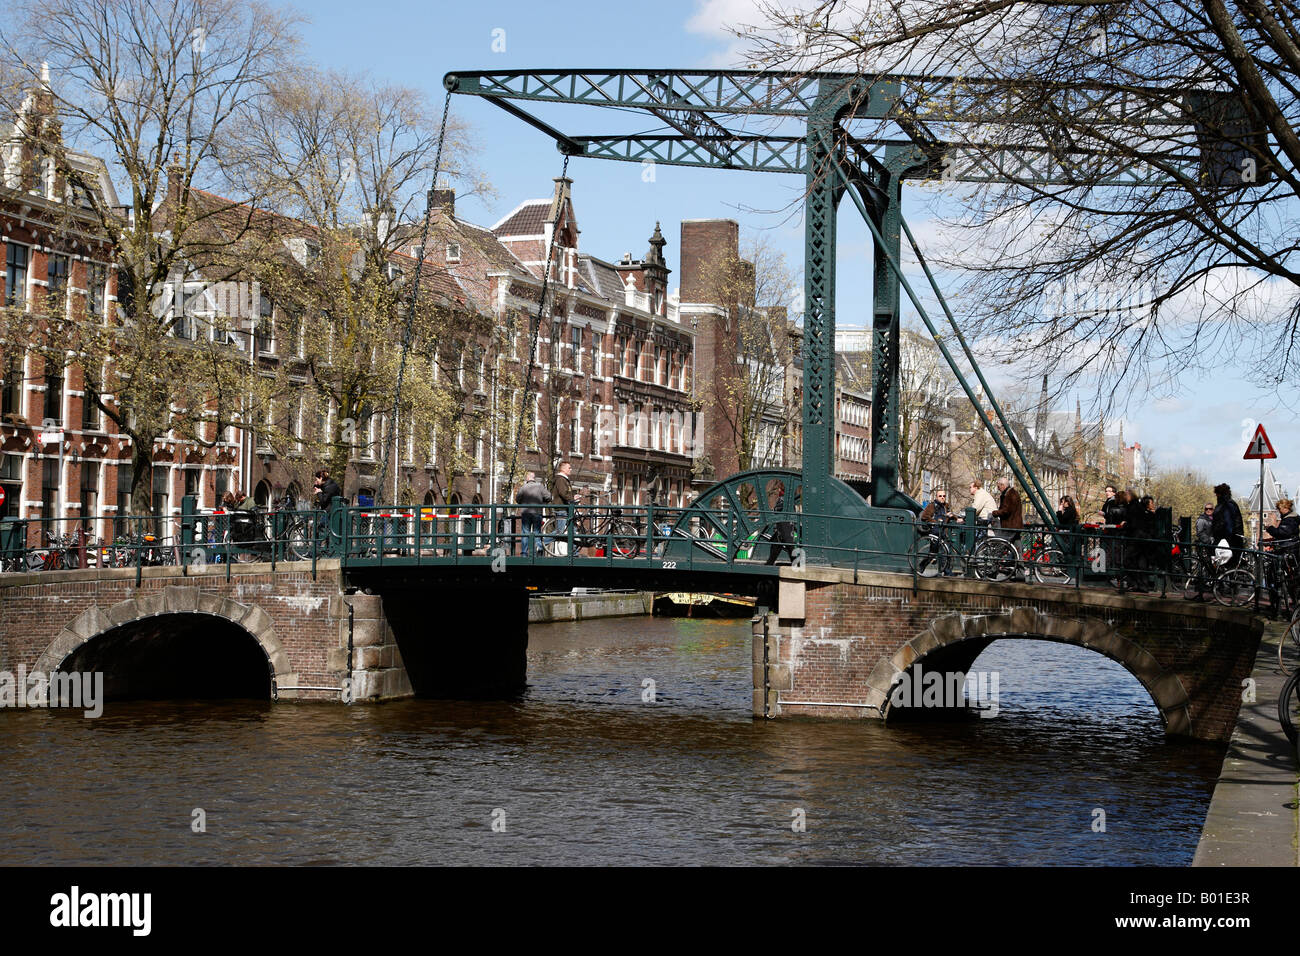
1260	446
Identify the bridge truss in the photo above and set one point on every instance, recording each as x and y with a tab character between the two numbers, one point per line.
806	124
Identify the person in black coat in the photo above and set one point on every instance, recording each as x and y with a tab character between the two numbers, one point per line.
1068	515
1228	524
782	533
327	489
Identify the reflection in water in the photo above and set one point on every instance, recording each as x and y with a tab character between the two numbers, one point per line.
586	772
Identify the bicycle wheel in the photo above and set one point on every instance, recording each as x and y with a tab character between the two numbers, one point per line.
1288	707
298	540
994	560
1288	648
555	542
1234	588
930	557
627	541
1051	567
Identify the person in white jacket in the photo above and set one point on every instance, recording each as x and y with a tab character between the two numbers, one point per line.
981	500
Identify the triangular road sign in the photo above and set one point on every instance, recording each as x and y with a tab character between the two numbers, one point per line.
1260	446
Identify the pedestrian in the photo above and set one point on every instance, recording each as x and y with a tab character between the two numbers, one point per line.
936	510
783	532
531	494
562	492
981	500
1112	509
1067	516
1140	529
1283	537
1228	525
1286	530
1010	511
327	489
1203	541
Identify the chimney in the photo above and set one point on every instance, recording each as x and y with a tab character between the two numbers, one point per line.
444	198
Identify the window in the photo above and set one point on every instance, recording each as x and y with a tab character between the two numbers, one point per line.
555	343
56	271
89	492
658	368
49	488
53	393
575	429
15	275
96	283
192	476
575	357
161	492
183	326
11	389
262	336
89	411
125	482
11	479
453	252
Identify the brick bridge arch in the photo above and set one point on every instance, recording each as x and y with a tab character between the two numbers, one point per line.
955	640
172	601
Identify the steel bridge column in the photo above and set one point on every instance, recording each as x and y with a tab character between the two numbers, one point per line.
886	391
820	205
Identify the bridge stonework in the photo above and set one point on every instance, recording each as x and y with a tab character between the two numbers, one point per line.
300	622
839	642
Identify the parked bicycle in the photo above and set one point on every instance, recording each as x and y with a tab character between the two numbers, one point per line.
595	525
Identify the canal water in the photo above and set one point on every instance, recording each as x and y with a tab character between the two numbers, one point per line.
585	770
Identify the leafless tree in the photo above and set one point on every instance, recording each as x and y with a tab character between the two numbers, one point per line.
158	88
1165	236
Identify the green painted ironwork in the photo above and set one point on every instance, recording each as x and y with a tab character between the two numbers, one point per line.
698	105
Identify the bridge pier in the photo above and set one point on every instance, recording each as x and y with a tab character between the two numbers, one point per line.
462	642
845	644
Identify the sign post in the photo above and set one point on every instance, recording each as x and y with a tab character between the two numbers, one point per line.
1260	447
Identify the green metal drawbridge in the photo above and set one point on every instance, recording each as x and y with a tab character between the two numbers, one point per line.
705	108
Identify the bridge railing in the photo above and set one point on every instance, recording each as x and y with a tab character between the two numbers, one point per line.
660	537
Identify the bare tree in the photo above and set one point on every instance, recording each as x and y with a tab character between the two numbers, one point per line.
346	163
1165	236
157	87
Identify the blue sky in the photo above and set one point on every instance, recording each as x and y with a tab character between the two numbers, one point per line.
414	44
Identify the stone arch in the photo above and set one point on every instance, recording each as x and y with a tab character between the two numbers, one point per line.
950	630
173	599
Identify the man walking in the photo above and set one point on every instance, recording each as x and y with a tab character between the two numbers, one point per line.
981	500
532	493
1204	538
1228	524
563	495
1010	512
783	532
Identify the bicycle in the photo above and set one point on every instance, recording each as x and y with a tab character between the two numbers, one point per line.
992	558
1288	707
1289	645
1279	576
591	529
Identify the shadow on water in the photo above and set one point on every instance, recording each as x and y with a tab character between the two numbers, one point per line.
594	764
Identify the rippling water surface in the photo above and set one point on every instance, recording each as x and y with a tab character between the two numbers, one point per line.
581	770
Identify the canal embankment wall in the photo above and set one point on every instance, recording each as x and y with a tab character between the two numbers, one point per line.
1254	815
547	608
